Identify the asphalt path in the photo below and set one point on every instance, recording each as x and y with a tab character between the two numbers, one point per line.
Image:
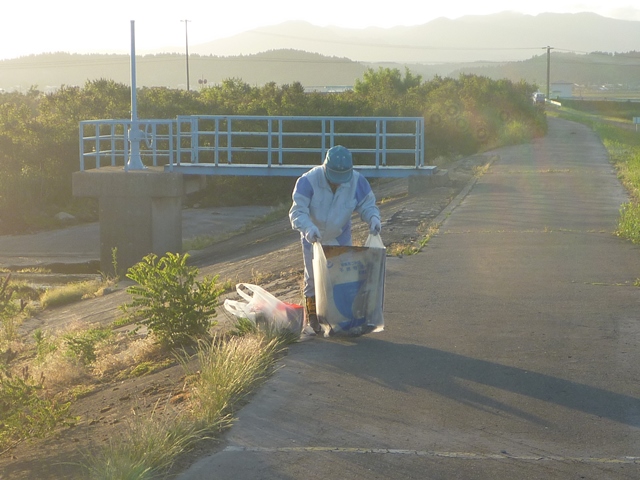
510	349
79	244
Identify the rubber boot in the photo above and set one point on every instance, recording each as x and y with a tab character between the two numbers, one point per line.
312	316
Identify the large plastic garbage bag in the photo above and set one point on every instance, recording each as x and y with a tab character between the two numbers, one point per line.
263	308
349	286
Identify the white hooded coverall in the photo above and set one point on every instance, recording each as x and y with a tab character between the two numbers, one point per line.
314	203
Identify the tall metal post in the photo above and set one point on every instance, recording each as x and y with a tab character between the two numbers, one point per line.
135	135
186	40
548	70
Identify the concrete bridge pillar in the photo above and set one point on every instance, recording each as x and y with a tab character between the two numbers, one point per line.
140	212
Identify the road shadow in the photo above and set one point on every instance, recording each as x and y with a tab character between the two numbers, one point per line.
405	366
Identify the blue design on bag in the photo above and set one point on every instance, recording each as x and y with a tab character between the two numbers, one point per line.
344	295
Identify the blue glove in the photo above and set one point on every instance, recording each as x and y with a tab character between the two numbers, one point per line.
312	234
375	226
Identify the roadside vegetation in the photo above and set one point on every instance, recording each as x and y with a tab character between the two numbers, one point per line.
227	371
41	376
27	410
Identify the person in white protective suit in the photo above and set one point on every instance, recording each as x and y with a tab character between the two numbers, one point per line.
324	200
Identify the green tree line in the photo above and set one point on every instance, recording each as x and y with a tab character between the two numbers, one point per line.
39	132
168	69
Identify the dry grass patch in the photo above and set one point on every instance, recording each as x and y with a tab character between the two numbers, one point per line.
125	352
402	249
72	292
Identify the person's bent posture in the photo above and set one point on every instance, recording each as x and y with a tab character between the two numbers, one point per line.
324	199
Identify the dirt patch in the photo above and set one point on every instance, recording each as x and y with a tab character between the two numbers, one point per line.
268	255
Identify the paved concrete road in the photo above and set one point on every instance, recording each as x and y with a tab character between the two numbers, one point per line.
81	243
511	348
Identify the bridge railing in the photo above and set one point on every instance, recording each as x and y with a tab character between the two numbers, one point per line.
289	140
259	145
106	142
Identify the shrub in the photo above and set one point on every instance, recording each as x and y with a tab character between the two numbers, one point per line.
10	308
82	345
169	301
515	132
24	411
44	344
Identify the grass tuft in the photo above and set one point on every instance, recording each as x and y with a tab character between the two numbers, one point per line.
148	447
228	371
72	292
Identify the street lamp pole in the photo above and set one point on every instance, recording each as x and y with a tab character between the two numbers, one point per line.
186	40
135	135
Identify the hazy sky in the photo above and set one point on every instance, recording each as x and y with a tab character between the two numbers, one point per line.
37	26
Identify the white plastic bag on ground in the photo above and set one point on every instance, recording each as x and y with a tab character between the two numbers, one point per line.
263	308
349	286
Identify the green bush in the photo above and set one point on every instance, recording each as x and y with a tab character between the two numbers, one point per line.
515	132
11	305
168	299
24	411
82	345
8	306
44	344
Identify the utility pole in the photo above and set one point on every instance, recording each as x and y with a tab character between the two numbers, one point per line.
548	70
186	40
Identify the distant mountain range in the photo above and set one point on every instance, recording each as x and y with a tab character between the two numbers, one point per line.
506	45
500	37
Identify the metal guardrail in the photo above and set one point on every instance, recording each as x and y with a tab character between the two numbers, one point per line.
107	142
260	145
